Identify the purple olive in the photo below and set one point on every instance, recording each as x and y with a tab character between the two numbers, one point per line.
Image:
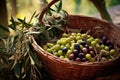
81	55
71	56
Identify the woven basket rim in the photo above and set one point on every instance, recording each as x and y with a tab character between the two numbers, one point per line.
62	69
51	56
47	54
95	18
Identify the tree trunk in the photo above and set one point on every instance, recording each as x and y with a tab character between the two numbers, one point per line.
3	13
3	19
100	5
14	7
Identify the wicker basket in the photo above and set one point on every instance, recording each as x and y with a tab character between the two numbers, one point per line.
59	69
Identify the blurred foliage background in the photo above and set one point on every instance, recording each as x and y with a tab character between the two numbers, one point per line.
25	8
22	10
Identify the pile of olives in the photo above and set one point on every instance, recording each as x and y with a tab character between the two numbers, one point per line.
82	47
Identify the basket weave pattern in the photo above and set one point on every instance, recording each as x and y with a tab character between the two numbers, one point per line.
59	69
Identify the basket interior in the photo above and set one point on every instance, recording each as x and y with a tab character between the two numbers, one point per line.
63	70
109	30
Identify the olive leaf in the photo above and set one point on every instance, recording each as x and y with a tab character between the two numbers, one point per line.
49	11
52	10
16	52
22	21
32	17
58	9
4	28
59	6
13	24
17	70
35	58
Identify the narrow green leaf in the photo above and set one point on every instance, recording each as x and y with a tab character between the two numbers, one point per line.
4	28
33	32
13	25
56	6
51	34
23	22
13	63
49	12
32	17
17	70
4	56
27	60
38	72
59	6
32	61
36	15
35	58
20	20
52	10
